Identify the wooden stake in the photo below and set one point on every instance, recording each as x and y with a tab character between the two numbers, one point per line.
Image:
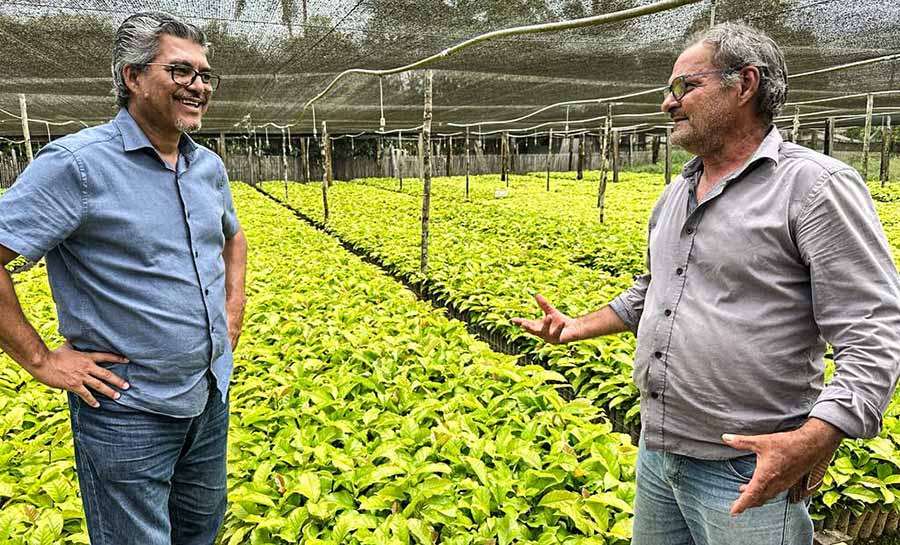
654	154
26	133
604	151
569	141
326	160
284	163
420	158
379	157
885	149
426	160
467	163
252	159
795	130
504	158
615	156
866	135
304	157
549	155
222	145
449	154
829	136
580	174
400	158
668	156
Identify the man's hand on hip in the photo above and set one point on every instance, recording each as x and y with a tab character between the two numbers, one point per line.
782	459
74	371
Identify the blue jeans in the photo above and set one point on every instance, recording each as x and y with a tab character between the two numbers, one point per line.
686	501
148	479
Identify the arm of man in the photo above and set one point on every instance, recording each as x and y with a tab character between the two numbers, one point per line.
64	367
557	328
856	302
235	256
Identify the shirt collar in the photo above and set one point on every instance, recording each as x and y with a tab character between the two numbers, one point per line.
133	137
768	149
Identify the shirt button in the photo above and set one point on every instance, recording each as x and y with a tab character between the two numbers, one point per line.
668	312
189	215
213	329
654	395
679	271
196	253
657	355
690	230
206	291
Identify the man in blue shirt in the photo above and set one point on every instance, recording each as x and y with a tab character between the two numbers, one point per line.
146	261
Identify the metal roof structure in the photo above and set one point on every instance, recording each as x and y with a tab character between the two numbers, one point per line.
276	55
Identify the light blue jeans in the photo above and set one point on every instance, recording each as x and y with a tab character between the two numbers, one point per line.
148	479
686	501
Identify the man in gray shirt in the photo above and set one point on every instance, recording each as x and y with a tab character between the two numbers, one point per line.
759	254
146	261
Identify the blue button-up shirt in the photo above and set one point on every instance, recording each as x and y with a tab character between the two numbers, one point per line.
134	256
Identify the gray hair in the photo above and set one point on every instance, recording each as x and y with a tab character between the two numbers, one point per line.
737	45
137	43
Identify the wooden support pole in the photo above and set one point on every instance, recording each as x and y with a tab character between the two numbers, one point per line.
829	136
449	155
426	160
604	163
222	145
420	158
569	141
668	156
379	157
885	149
251	157
795	130
631	150
467	163
549	156
324	149
26	133
615	155
867	131
304	158
580	174
284	164
654	154
400	158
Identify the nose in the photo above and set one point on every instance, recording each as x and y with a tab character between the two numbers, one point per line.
198	86
668	103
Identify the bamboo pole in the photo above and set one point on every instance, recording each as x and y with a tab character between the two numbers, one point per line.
829	136
467	163
426	159
885	149
866	135
549	156
323	149
668	156
26	133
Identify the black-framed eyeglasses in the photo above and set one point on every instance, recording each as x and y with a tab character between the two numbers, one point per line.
185	75
680	85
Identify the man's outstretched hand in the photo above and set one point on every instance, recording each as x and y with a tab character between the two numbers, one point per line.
555	327
782	459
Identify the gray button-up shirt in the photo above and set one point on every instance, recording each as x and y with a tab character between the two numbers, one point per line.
134	255
743	291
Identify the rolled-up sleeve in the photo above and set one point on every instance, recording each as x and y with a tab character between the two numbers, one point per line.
45	205
856	300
